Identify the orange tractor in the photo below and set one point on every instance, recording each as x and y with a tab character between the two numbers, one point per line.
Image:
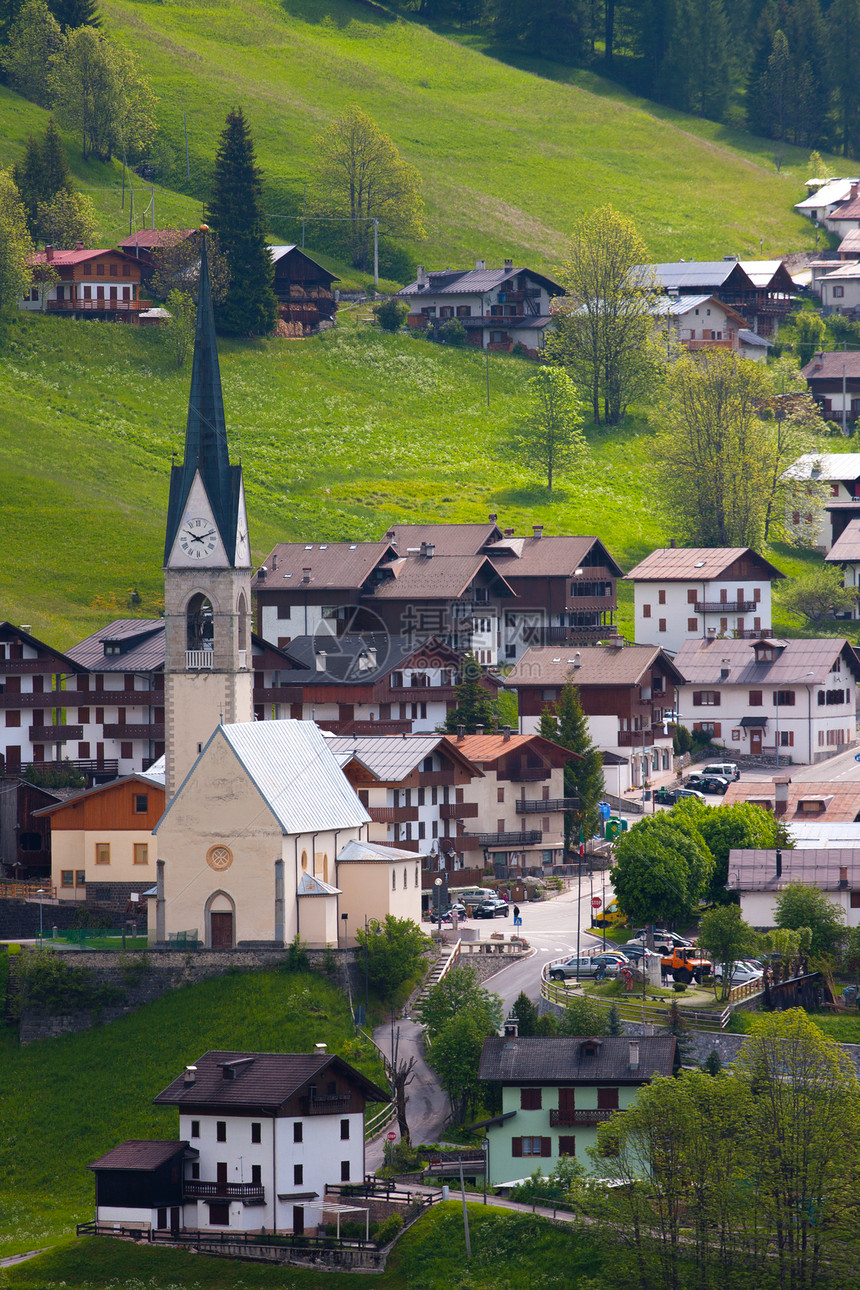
686	965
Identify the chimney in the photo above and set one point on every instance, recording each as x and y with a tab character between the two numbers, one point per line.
618	642
461	733
423	548
389	537
577	659
274	561
306	575
843	878
80	246
778	863
492	517
509	264
509	533
422	277
480	265
854	189
780	795
671	544
321	1050
190	1076
537	529
479	730
724	669
261	573
320	660
49	254
512	1026
506	733
634	1054
431	550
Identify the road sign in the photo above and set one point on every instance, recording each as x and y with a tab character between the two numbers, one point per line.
392	1137
857	756
596	902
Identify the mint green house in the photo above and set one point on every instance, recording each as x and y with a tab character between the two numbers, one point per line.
556	1090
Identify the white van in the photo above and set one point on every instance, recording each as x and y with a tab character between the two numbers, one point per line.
471	895
723	769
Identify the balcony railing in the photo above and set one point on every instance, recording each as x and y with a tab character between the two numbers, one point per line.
371	727
327	1103
590	1116
433	693
54	734
524	839
393	814
278	694
101	306
199	660
438	777
193	1187
48	699
526	774
726	606
458	811
638	738
100	768
143	730
540	805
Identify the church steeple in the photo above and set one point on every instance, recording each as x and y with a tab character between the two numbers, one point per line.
206	460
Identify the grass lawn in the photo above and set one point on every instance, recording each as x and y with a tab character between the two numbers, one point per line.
66	1101
514	1251
843	1027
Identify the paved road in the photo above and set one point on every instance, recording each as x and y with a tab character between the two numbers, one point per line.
834	769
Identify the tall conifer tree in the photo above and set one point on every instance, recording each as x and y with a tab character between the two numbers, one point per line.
236	214
565	723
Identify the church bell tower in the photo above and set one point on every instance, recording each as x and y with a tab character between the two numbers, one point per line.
207	570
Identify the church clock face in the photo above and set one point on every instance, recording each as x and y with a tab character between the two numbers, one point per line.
198	537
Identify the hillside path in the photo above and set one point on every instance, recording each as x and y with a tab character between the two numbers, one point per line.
427	1107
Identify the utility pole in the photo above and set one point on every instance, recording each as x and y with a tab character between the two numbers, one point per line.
376	252
187	160
304	196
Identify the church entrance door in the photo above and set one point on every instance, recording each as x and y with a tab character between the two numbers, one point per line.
222	930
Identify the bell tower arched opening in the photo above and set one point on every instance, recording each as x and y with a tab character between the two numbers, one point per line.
199	631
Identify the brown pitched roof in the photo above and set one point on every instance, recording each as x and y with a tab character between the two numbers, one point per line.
533	557
587	665
485	749
262	1080
439	577
335	566
141	641
140	1154
827	365
561	1060
799	662
150	237
837	802
697	564
847	545
449	539
819	867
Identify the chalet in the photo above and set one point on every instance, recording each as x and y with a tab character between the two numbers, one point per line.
759	877
699	322
102	845
795	699
25	839
845	216
520	803
839	470
824	198
628	694
840	288
556	1091
499	308
91	284
762	291
845	553
303	287
35	727
261	1136
686	593
144	243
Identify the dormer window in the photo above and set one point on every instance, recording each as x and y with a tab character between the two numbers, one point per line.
112	647
764	653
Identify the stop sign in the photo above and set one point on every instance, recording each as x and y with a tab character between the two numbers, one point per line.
596	902
392	1137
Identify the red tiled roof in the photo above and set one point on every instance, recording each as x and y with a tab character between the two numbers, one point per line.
697	564
149	237
489	748
67	259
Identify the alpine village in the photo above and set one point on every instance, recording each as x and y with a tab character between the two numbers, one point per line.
430	784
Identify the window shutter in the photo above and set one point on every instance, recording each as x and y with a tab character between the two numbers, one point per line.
567	1146
546	1146
697	698
716	698
516	1148
717	731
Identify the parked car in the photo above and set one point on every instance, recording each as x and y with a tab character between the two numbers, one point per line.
610	956
725	769
638	954
663	940
457	908
742	974
666	796
707	783
492	908
690	792
582	967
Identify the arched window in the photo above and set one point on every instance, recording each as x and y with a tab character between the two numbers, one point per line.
199	624
416	875
304	861
405	878
325	866
242	612
393	878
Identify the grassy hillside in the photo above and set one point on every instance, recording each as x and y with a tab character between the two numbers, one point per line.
509	156
67	1101
339	436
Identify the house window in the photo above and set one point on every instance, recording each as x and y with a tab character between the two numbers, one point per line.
607	1099
256	1132
646	611
756	698
692	624
567	1145
102	853
706	698
855	900
126	270
80	878
141	803
195	1128
221	1131
786	738
344	1171
67	878
531	1147
298	1175
141	853
114	270
195	1169
661	597
219	1214
257	1175
783	698
126	750
297	1132
530	1099
711	728
838	292
344	1130
100	270
500	795
692	596
13	718
661	624
416	876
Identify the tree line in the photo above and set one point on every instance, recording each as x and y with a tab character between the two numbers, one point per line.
782	68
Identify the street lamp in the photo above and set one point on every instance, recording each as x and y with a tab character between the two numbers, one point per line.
438	885
40	893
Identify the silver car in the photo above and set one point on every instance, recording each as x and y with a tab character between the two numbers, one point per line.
574	967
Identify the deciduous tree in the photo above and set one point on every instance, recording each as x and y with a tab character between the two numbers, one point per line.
547	437
98	91
181	326
176	264
455	1057
16	246
741	825
603	331
725	936
364	177
65	220
458	991
662	868
34	39
395	950
817	594
236	214
799	906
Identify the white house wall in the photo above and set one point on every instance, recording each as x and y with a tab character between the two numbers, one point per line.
675	620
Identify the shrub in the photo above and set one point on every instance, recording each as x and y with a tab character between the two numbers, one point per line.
391	314
679	987
388	1229
297	955
50	986
452	332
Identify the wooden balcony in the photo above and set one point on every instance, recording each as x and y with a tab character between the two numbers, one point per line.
540	806
393	814
726	606
458	811
97	768
525	774
371	727
278	694
327	1104
558	1118
143	730
637	738
99	306
437	777
54	734
524	839
194	1187
422	693
731	343
22	666
50	699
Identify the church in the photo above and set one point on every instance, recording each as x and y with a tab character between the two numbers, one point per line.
263	838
